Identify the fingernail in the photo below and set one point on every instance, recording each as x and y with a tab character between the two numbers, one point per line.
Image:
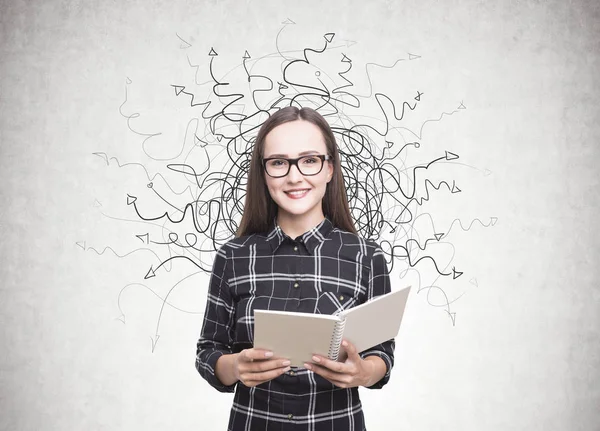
307	366
286	369
344	343
316	359
284	363
268	354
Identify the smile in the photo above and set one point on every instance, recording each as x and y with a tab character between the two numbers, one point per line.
297	194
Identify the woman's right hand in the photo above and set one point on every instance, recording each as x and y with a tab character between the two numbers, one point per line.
255	366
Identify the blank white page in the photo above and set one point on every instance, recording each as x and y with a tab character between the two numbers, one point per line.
295	336
375	321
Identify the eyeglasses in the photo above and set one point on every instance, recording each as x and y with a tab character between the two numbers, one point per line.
278	167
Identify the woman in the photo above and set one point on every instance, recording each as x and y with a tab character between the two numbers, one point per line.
297	250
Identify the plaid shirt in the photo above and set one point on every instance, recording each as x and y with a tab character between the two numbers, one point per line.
321	271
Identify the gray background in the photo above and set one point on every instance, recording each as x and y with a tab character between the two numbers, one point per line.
524	354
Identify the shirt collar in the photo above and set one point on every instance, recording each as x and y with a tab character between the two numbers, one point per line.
311	238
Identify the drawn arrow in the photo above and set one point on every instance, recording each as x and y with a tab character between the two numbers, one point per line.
185	43
154	341
178	89
149	274
455	273
147	239
451	156
102	156
198	140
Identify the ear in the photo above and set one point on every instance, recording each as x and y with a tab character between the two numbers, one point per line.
330	171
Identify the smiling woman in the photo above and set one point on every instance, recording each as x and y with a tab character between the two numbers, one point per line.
294	132
298	195
296	250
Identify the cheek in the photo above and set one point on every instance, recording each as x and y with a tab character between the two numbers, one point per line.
323	178
271	184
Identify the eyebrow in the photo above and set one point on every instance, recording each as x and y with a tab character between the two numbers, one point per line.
303	153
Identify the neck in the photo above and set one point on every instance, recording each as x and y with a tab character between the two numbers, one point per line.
294	226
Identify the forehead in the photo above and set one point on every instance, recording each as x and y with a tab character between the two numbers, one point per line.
293	138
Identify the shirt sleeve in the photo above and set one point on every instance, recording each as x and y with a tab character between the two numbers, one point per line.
216	336
379	284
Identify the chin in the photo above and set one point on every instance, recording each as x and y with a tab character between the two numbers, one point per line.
295	211
299	209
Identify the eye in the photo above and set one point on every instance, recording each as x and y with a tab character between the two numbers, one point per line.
310	160
276	162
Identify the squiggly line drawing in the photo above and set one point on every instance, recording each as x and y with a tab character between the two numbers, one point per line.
492	222
452	189
134	116
375	146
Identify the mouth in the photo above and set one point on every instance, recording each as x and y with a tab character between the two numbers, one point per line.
297	194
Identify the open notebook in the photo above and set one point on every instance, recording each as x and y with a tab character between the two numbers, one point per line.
297	336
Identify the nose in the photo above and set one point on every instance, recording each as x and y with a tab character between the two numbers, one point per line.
294	174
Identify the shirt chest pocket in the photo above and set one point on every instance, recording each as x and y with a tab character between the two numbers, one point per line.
344	287
257	286
333	303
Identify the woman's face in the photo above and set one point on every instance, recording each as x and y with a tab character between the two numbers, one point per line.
290	140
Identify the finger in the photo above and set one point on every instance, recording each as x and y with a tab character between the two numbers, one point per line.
341	384
338	367
272	364
322	371
265	376
252	377
341	380
351	350
251	355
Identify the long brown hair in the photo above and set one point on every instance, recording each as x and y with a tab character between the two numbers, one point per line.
259	207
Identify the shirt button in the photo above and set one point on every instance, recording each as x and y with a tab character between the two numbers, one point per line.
292	373
341	297
295	248
290	415
296	284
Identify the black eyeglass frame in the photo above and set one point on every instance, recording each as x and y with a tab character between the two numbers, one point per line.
291	162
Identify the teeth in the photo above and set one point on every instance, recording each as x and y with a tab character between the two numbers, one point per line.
298	193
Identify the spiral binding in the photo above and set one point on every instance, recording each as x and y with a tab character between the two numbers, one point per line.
336	340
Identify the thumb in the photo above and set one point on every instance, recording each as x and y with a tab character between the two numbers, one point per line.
351	351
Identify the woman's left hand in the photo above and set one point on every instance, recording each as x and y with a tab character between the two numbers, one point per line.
355	371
